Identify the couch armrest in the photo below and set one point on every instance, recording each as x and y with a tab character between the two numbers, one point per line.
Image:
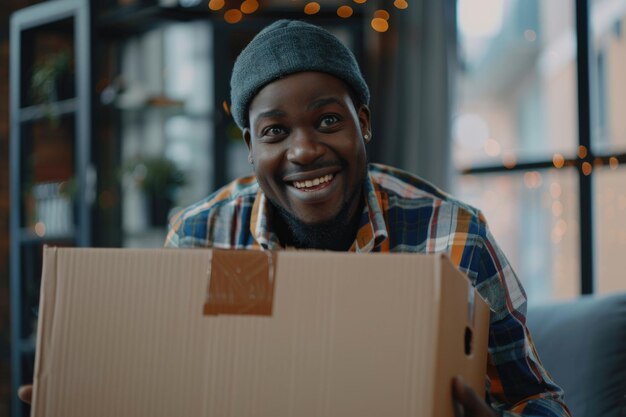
582	344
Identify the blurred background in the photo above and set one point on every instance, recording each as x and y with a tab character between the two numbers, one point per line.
114	114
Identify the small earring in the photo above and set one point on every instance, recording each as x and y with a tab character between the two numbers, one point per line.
249	159
367	138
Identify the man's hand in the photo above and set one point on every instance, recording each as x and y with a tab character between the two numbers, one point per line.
467	402
25	393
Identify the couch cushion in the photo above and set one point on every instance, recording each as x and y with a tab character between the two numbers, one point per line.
582	344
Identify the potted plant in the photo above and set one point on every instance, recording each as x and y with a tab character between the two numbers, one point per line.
51	81
159	178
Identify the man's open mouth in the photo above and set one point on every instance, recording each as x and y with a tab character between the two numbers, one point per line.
314	184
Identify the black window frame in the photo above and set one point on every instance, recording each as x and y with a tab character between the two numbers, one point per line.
585	155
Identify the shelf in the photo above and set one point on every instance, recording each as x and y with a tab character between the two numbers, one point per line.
27	236
43	111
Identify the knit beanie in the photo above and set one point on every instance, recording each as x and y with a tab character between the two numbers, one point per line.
286	47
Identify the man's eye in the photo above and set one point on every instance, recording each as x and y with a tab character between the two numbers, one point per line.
329	120
273	131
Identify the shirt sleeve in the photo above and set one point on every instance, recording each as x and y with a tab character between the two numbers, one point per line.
517	383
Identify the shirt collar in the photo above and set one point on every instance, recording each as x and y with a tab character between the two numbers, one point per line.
372	229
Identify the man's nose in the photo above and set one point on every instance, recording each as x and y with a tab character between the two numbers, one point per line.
305	148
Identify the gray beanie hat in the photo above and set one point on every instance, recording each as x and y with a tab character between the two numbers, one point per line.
287	47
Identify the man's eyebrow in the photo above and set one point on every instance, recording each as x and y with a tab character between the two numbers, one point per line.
269	113
325	101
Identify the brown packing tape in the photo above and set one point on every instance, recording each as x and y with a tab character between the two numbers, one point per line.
240	283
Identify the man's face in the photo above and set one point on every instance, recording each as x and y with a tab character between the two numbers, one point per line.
306	143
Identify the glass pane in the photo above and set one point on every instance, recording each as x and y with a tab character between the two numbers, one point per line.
517	86
609	86
534	217
610	238
166	113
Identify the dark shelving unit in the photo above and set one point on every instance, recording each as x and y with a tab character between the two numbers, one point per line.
49	145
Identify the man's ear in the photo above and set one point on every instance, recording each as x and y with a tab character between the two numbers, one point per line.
364	120
247	138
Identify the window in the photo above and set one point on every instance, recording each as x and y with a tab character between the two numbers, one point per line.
537	142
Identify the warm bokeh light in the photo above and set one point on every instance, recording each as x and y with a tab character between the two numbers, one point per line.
312	8
509	160
344	11
582	152
360	1
249	6
233	16
401	4
530	35
559	230
226	107
558	160
40	229
557	208
587	168
533	179
380	25
613	162
216	4
381	14
492	147
555	190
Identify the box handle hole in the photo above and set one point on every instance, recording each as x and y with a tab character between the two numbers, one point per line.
468	341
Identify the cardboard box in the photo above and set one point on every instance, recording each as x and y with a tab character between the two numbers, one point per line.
147	333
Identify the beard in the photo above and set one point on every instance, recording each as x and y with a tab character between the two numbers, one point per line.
336	234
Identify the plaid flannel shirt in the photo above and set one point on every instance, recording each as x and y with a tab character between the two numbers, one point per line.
405	214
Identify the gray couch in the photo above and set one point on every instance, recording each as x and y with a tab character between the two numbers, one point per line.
582	343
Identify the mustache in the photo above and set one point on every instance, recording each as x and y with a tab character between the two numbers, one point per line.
311	167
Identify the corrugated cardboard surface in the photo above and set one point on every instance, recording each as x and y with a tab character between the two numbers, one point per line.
123	333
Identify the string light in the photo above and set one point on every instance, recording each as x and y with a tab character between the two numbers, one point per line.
492	147
381	14
232	16
613	162
249	6
533	179
216	4
312	8
555	190
379	22
344	11
380	25
40	229
401	4
582	152
558	160
509	161
587	168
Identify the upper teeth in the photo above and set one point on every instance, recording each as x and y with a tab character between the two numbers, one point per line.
314	182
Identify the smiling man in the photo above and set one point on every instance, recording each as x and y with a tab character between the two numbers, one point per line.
301	101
